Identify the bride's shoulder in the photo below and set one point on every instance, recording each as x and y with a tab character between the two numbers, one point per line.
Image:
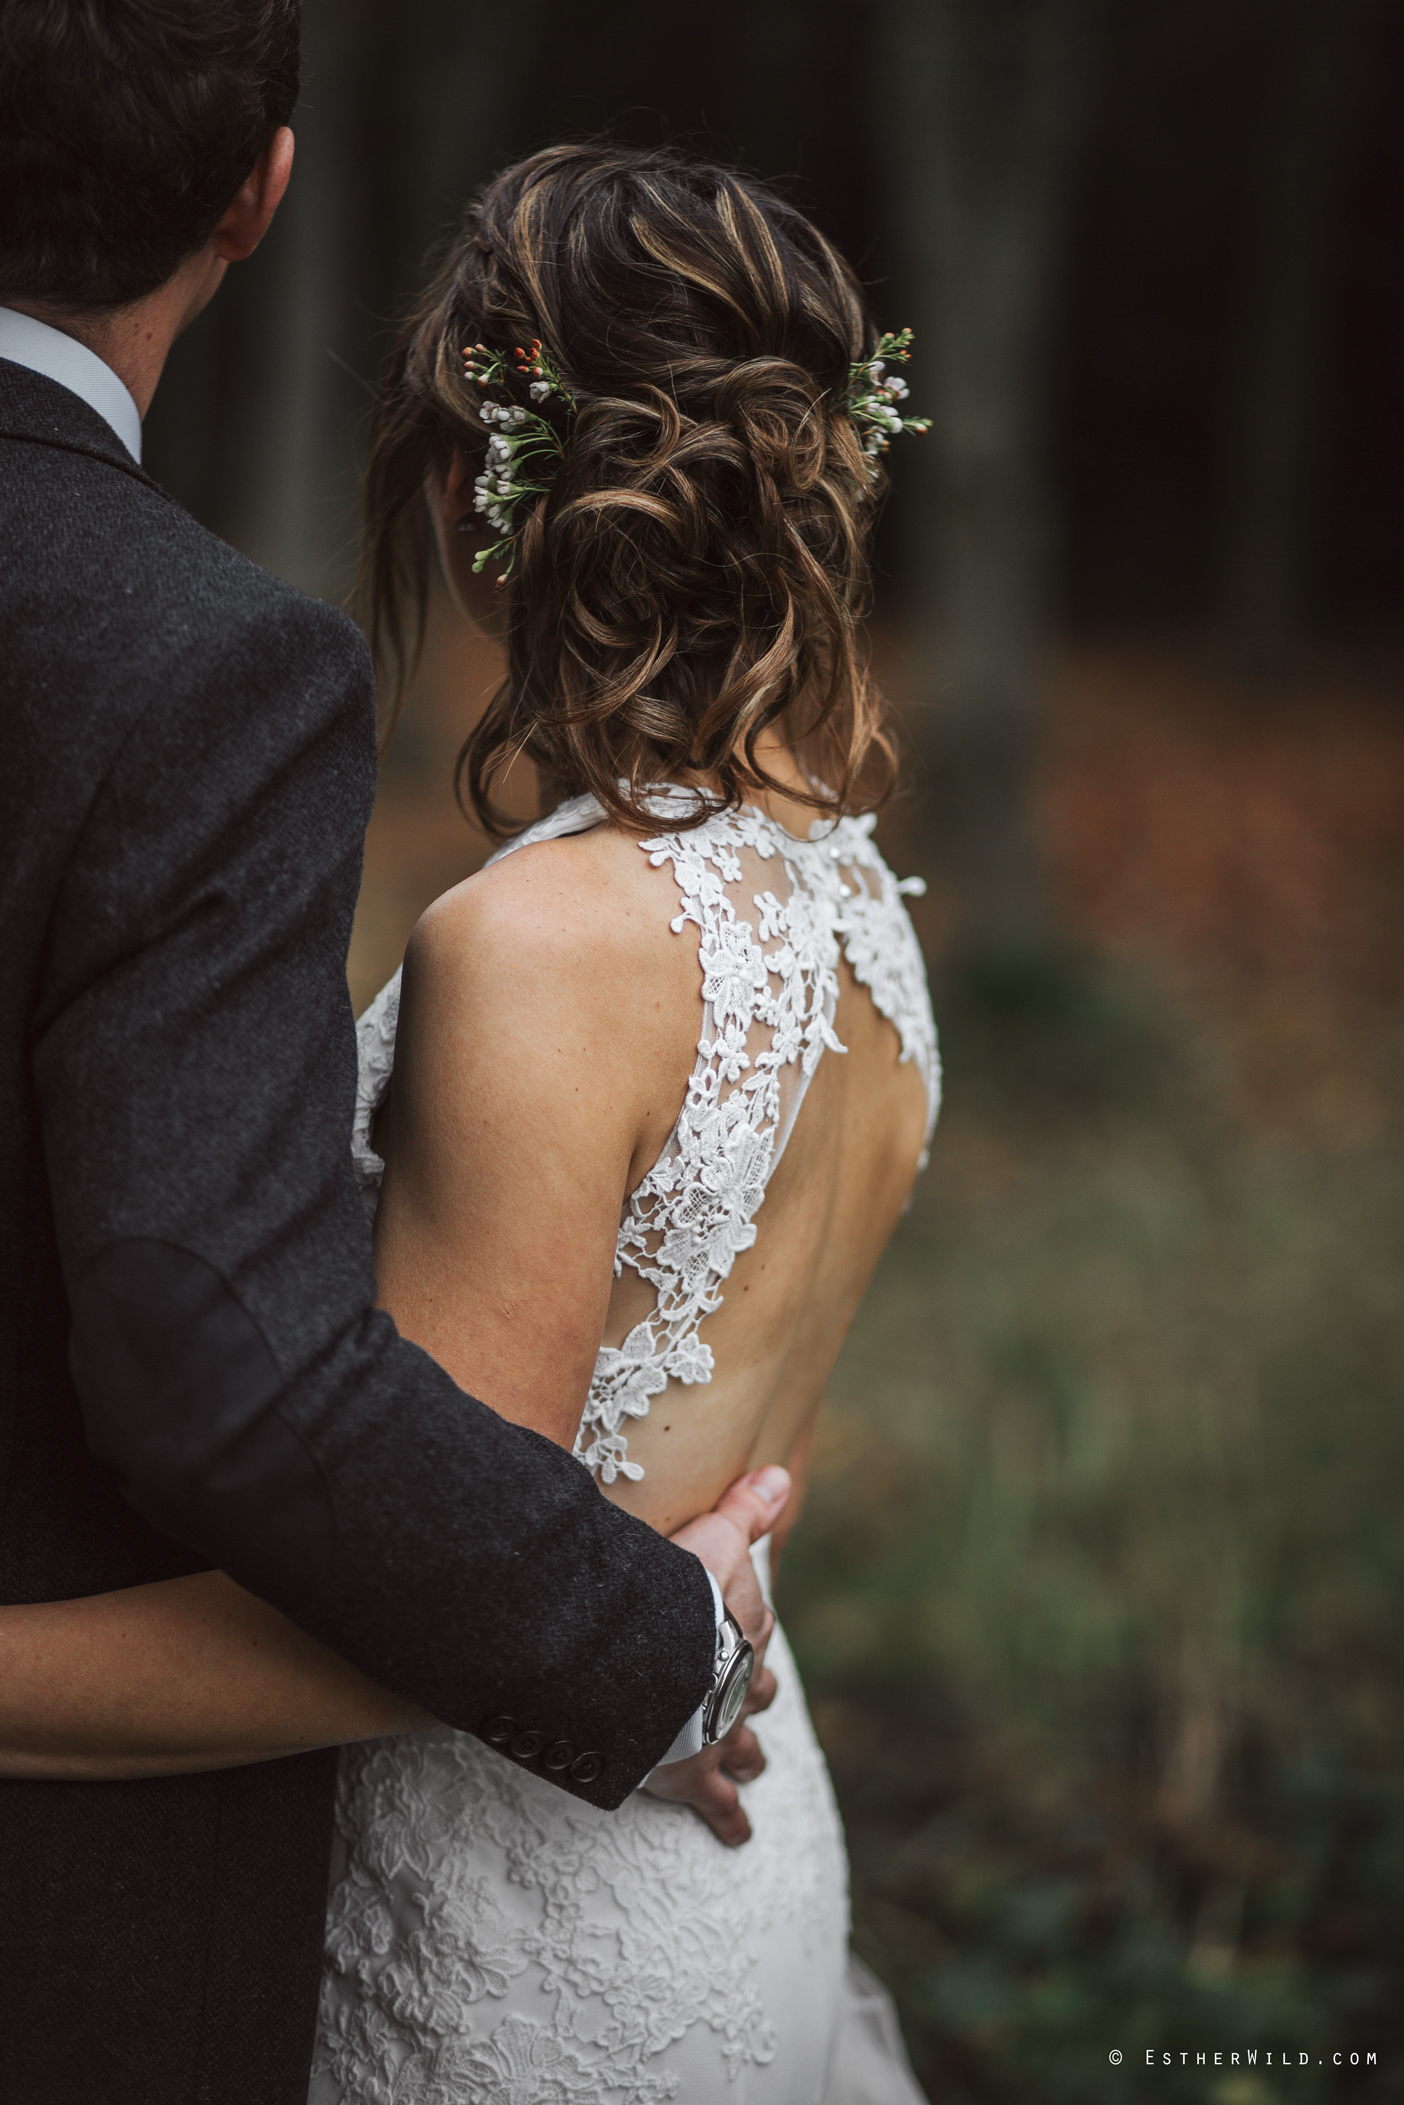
548	999
584	918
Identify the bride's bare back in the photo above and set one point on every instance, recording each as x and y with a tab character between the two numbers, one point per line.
829	1210
548	1074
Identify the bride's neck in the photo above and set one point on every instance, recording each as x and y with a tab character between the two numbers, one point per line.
786	804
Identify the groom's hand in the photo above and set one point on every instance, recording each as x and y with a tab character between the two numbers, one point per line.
746	1510
707	1782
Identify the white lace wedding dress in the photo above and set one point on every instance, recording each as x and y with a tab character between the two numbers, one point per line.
490	1940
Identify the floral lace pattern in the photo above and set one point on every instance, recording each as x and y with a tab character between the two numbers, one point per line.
375	1063
491	1940
770	990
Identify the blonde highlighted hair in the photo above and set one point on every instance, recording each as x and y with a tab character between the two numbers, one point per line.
698	570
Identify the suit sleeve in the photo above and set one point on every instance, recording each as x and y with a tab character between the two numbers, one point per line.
195	1059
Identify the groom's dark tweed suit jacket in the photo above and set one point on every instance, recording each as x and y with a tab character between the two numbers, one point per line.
191	1368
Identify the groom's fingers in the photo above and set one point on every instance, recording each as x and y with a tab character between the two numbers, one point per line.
761	1693
717	1801
740	1752
707	1780
755	1501
723	1538
741	1756
726	1551
747	1603
701	1784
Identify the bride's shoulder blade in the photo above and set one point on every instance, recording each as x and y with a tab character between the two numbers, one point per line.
570	940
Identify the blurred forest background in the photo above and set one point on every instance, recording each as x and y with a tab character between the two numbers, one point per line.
1100	1591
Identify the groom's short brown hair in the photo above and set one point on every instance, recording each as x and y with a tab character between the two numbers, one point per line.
126	127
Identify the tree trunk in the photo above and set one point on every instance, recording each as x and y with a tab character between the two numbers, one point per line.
296	508
1285	301
259	421
984	93
255	422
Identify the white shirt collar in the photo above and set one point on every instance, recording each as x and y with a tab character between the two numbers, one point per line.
25	341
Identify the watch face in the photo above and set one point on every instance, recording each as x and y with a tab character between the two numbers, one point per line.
726	1704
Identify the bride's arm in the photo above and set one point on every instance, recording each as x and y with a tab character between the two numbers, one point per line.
180	1675
548	1024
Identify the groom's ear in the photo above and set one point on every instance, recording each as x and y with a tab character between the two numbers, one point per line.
249	214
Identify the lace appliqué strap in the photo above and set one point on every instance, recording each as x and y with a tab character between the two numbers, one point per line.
883	953
770	991
375	1061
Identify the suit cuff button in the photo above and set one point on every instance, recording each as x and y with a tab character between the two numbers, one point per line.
558	1754
586	1767
498	1731
526	1744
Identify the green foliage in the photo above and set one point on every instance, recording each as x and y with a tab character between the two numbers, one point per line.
1100	1591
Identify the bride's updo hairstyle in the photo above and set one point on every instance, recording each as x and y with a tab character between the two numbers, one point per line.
697	569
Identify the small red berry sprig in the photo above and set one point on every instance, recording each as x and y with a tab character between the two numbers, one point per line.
490	369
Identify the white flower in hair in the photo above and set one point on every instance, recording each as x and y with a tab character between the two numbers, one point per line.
871	393
525	449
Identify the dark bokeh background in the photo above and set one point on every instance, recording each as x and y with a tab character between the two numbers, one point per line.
1100	1592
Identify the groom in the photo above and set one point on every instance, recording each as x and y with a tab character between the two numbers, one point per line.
192	1368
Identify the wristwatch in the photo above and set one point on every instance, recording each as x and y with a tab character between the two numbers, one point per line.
731	1677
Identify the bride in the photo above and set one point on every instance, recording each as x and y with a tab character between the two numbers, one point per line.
646	1103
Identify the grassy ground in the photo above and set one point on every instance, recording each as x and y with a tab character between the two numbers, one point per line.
1100	1592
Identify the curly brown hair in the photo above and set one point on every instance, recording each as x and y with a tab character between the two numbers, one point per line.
699	568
